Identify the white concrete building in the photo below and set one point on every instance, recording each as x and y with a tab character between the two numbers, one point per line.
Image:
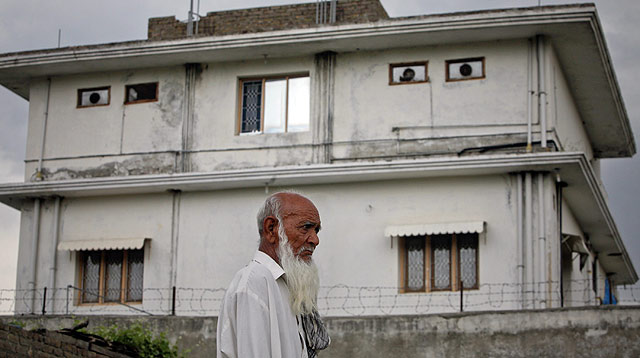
441	151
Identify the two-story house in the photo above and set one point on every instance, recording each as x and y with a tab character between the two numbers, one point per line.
442	151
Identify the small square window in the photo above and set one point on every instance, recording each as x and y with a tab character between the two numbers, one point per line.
111	276
93	97
408	73
140	93
465	69
274	105
439	262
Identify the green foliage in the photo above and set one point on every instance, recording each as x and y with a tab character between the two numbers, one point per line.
17	323
147	344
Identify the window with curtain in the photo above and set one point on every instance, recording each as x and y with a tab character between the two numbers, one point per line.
439	262
110	276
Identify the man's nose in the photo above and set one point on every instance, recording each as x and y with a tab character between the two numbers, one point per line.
313	239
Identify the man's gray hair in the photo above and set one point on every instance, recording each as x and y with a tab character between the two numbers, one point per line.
271	207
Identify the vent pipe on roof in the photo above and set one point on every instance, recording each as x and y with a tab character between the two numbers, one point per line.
326	11
190	20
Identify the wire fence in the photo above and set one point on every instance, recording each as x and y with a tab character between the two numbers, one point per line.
335	300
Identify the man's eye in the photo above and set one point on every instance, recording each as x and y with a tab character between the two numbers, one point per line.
310	226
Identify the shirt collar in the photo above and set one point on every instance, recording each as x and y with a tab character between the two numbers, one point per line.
270	263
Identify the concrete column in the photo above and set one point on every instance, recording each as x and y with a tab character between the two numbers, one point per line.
191	72
322	106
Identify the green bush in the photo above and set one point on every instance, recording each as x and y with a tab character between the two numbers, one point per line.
147	344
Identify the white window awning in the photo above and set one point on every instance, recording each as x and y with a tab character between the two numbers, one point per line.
434	229
103	244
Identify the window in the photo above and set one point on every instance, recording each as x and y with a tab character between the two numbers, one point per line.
93	97
407	73
140	93
111	276
439	262
465	69
274	105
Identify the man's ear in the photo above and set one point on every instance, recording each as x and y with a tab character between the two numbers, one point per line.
270	229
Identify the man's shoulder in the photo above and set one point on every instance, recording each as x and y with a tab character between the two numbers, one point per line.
252	277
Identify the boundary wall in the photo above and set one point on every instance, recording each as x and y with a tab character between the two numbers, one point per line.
605	331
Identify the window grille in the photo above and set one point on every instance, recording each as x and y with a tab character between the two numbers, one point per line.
468	252
439	262
415	263
275	105
111	276
441	248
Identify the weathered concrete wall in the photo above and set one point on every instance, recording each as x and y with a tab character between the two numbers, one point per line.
375	119
115	140
369	118
216	144
217	235
562	112
590	332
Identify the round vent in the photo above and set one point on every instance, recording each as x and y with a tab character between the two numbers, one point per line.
408	75
94	98
466	70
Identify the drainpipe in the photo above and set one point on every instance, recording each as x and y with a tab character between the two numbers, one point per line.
528	235
35	238
44	131
520	238
542	94
54	250
559	186
541	241
175	231
530	94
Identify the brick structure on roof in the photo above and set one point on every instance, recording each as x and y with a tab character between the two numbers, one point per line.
263	19
16	342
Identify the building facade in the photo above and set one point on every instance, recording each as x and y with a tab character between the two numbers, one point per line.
443	152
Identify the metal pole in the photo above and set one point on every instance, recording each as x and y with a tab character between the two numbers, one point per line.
44	301
190	20
173	302
68	287
461	295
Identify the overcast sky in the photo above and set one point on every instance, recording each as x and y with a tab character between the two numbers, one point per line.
33	24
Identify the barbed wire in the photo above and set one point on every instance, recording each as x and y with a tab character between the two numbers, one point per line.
335	300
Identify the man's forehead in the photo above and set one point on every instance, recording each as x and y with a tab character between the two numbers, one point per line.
294	204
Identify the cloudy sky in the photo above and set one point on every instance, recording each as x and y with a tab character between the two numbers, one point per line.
34	24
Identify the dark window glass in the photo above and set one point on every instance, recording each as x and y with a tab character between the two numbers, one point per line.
143	92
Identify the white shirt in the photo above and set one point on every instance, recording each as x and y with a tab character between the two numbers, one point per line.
255	316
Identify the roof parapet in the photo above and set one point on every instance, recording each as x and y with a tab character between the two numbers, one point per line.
263	19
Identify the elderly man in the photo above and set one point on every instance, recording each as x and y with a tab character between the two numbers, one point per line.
269	309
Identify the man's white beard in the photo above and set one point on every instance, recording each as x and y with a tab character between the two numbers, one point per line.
302	277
